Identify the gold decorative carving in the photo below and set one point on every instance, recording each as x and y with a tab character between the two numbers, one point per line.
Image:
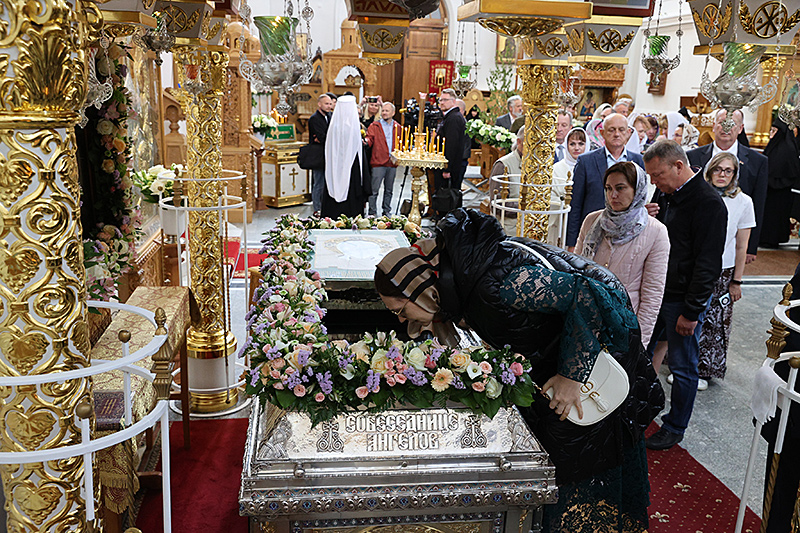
575	37
215	29
769	19
204	27
117	31
209	337
178	21
382	39
707	21
147	4
37	502
609	41
521	26
553	47
539	86
23	351
31	430
42	278
17	269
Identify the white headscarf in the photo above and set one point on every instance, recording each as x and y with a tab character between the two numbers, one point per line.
571	161
342	146
674	120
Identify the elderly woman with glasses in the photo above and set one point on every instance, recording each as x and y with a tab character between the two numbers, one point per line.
722	172
556	309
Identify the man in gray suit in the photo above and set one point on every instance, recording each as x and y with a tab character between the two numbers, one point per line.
514	112
587	189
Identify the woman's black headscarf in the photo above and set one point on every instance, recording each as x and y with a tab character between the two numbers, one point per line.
784	165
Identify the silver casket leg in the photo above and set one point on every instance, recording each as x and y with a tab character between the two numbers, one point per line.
443	467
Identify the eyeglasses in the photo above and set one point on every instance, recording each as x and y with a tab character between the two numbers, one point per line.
723	171
445	98
398	311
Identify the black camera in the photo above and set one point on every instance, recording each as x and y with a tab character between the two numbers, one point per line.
433	115
372	99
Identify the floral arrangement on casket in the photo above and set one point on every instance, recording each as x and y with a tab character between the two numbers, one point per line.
296	367
491	135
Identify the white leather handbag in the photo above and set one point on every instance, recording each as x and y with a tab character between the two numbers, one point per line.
604	391
607	386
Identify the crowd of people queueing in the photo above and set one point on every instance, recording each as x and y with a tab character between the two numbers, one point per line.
676	244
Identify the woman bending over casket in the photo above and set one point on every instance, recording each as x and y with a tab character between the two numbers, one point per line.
559	319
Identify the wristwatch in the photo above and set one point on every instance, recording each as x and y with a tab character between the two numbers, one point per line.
736	282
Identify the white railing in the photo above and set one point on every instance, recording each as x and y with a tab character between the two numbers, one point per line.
89	446
786	395
500	206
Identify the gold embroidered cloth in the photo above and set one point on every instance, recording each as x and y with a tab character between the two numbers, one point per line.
117	465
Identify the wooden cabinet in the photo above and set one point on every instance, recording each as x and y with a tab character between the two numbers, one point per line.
284	183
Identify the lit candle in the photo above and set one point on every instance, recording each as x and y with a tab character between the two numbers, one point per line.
444	141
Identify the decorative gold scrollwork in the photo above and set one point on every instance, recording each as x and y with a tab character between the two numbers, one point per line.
553	47
23	351
769	19
609	41
177	21
575	37
215	29
521	26
382	39
31	430
147	4
709	21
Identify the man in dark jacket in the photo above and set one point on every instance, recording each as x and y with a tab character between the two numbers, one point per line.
317	133
588	194
452	131
696	219
753	169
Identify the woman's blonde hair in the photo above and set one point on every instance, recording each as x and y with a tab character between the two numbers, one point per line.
733	187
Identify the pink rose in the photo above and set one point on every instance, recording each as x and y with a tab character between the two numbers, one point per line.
400	378
389	364
299	390
362	392
391	381
266	348
278	363
479	386
485	367
278	386
516	368
275	374
319	397
429	363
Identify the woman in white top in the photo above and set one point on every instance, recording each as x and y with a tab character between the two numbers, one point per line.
722	173
562	175
630	243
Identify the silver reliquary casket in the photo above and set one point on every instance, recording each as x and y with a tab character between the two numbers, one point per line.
426	470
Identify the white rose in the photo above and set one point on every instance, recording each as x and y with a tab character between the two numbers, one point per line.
493	388
290	287
105	127
166	175
153	171
416	358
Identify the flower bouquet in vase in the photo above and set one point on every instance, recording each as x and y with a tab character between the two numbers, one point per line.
156	186
264	126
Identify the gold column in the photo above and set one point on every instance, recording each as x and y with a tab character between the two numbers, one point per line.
43	328
539	86
211	337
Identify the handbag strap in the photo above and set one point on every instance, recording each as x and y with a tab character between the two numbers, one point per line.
532	252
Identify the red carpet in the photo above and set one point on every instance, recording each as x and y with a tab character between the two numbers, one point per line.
253	260
205	480
685	497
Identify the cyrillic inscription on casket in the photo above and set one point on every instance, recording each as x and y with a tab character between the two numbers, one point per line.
400	432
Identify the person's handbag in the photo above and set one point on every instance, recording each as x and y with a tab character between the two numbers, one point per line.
604	391
446	199
607	386
311	157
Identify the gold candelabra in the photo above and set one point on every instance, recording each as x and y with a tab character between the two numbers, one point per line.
419	151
